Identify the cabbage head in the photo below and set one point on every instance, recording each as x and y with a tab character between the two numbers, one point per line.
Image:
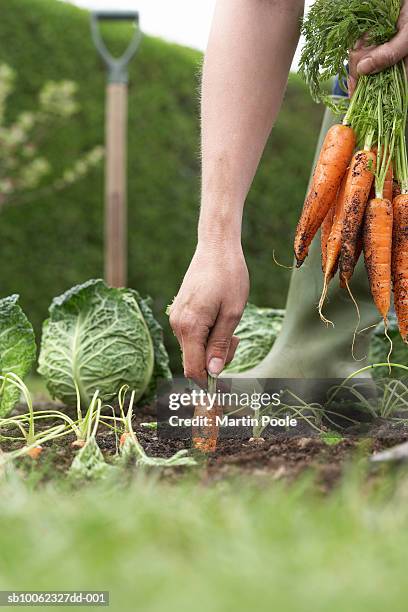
101	338
257	331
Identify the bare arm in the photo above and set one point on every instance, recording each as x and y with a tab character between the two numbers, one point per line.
249	54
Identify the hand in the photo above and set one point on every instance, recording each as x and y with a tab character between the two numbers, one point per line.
208	308
369	60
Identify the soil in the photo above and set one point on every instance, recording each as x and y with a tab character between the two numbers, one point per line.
275	458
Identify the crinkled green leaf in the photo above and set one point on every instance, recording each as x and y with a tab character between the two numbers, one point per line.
257	331
132	452
17	349
97	336
161	369
89	463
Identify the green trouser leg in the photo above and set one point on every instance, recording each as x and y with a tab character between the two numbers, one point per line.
306	348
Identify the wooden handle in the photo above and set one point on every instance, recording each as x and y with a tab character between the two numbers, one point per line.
116	186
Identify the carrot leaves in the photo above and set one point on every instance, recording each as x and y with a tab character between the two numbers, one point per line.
333	27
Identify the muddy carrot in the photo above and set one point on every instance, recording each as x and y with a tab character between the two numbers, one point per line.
334	243
396	189
377	239
357	191
388	189
334	158
400	263
325	233
205	434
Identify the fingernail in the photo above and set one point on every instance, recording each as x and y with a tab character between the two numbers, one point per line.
215	366
366	66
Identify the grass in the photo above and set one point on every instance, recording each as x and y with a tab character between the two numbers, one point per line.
232	546
177	543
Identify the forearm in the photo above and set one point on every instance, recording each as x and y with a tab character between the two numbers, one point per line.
248	59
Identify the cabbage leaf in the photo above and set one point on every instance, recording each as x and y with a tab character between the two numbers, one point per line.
17	350
257	331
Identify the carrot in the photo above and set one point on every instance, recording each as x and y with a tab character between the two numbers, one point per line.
334	243
334	158
325	233
388	189
35	452
396	189
377	238
359	248
123	439
205	435
400	263
356	196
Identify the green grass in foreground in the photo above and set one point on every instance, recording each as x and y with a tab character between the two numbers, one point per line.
232	546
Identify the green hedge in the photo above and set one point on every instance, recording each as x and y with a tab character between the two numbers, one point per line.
54	242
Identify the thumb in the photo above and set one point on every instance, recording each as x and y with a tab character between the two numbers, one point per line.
386	55
219	343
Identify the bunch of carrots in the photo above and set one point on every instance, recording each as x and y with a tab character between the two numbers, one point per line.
359	192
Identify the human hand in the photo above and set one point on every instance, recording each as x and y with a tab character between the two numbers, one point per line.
370	60
208	308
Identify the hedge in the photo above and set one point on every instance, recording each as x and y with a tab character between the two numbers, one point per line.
57	241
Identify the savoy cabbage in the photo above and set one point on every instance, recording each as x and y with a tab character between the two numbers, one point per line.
101	338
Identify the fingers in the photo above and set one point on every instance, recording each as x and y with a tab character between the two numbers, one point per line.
356	55
374	60
192	337
221	345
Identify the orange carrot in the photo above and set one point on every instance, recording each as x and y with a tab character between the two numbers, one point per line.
205	435
359	248
334	158
357	191
377	238
123	439
389	184
35	452
334	244
396	189
325	233
334	241
400	263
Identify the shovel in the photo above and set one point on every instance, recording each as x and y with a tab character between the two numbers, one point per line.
116	145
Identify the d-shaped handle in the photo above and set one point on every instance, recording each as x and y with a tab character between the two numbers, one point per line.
117	66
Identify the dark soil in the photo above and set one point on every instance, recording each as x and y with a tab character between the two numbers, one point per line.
275	458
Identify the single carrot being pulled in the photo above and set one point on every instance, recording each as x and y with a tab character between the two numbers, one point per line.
377	238
400	262
334	158
357	191
205	432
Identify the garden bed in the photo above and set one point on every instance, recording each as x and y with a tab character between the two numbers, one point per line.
275	458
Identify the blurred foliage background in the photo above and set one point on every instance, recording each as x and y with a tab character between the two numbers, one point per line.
56	240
